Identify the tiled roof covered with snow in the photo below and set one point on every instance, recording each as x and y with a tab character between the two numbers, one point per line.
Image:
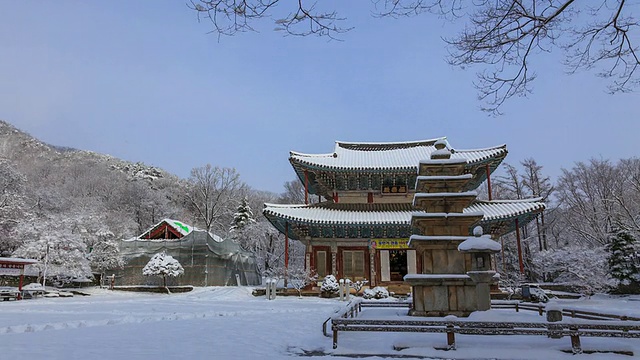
180	227
330	213
501	209
390	155
319	214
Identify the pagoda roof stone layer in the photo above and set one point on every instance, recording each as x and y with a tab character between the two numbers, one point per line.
389	155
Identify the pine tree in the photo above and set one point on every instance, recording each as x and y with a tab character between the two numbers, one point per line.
163	265
622	258
242	217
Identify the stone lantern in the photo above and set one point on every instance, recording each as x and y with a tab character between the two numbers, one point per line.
480	247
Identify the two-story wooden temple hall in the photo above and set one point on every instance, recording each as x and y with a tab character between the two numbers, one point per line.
362	228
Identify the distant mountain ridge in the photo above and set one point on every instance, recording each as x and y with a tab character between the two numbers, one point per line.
57	191
16	144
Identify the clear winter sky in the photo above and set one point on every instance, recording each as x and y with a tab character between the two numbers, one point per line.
144	81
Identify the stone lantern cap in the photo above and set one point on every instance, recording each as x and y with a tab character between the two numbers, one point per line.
479	243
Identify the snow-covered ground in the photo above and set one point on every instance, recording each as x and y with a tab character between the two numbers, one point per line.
230	323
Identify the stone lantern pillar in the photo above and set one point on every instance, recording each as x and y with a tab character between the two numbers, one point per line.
480	248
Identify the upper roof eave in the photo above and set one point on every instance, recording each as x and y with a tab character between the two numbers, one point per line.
407	161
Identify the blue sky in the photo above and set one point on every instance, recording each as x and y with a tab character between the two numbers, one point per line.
144	81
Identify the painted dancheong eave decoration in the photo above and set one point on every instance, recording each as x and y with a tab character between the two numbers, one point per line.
354	166
388	220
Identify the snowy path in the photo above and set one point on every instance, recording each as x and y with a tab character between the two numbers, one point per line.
230	323
112	325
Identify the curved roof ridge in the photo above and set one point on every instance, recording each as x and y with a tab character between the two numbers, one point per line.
510	201
504	146
284	206
383	145
296	153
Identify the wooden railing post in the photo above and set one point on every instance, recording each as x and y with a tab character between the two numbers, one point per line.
335	337
451	337
575	340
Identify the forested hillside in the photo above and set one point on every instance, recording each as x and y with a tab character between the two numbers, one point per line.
62	203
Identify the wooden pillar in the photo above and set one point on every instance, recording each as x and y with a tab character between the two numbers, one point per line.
488	180
306	187
20	283
372	267
286	254
502	253
519	248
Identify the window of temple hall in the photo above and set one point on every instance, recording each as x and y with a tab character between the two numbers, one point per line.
353	265
322	268
397	264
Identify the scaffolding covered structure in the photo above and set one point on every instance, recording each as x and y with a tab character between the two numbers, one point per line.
207	259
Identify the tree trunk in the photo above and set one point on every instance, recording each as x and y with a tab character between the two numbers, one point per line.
544	231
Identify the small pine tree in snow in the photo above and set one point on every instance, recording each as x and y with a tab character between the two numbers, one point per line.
163	265
622	258
329	285
242	217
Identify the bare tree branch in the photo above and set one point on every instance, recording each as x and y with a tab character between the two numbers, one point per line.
504	36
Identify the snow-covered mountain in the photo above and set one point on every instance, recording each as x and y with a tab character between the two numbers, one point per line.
64	192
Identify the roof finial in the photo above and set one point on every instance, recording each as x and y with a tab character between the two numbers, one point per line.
442	151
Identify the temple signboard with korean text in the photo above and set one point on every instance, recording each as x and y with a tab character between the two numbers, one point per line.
387	244
11	269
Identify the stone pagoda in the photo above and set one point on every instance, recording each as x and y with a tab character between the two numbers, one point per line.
444	287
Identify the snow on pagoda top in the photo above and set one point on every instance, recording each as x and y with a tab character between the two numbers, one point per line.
479	243
390	155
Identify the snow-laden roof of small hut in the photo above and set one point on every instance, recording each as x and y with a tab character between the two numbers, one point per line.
179	226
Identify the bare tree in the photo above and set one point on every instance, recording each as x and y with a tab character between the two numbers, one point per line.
229	17
212	194
294	193
502	35
12	199
539	186
510	185
587	194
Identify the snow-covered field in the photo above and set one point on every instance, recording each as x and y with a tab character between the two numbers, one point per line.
230	323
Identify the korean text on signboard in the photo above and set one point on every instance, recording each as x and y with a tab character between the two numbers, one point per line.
389	244
11	269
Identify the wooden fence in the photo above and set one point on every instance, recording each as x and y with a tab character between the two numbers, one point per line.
608	325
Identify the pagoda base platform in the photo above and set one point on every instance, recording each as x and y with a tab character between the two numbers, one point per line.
439	295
